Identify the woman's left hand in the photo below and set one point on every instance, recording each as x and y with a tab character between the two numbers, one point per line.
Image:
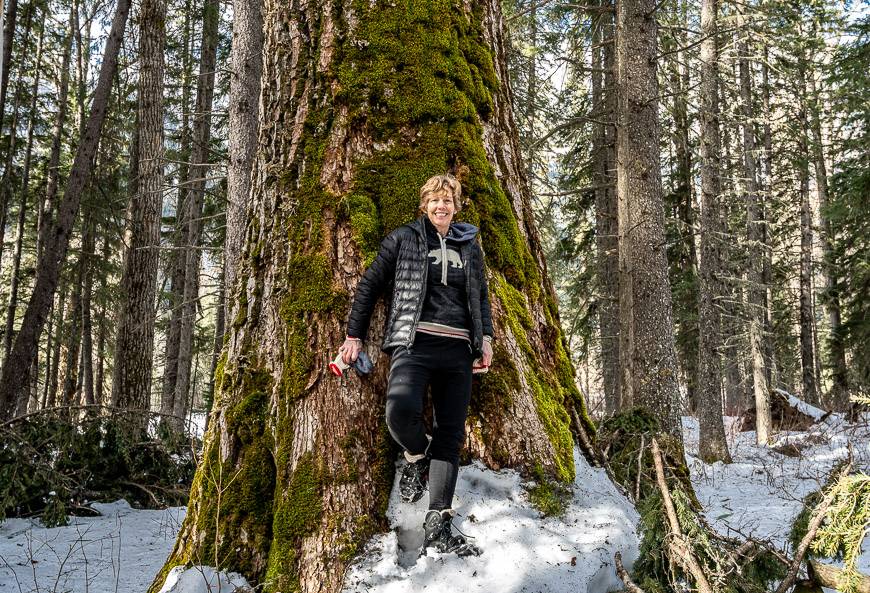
487	353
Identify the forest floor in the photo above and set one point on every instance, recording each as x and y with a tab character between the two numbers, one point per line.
758	494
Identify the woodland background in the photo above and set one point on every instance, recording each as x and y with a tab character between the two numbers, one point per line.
126	152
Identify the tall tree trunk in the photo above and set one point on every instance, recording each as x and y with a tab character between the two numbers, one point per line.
46	209
22	208
246	63
87	371
218	343
16	374
134	340
712	445
8	37
177	260
102	330
195	198
299	463
648	357
839	396
73	338
808	366
754	233
767	185
6	182
52	379
606	227
683	257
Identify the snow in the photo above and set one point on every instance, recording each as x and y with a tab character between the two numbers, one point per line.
802	406
759	494
521	551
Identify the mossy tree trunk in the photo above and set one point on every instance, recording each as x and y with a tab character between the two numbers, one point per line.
360	104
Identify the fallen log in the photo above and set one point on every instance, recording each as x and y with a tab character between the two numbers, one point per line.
828	575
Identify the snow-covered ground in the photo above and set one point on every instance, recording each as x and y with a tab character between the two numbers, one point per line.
758	494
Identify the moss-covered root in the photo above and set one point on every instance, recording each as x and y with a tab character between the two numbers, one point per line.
626	440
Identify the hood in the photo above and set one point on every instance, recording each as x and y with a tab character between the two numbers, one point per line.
459	232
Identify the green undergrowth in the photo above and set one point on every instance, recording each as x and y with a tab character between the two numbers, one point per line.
53	466
626	441
844	526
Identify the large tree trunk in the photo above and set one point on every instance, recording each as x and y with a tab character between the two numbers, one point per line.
606	226
648	354
359	109
754	233
134	341
200	159
246	63
15	379
712	444
839	395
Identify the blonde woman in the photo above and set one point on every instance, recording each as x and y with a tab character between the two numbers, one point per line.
439	322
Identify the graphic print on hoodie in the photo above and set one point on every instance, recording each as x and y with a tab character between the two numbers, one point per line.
446	301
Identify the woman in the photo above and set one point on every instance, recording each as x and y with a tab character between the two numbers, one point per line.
439	323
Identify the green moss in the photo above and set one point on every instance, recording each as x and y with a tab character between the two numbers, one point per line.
548	496
298	512
550	406
365	224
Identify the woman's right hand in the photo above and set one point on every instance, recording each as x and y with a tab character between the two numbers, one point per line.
350	349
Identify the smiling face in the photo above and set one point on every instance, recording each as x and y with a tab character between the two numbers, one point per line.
440	209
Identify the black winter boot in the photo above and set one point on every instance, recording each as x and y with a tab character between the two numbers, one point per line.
438	532
413	481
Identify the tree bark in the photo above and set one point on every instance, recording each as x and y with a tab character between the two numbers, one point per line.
102	330
200	164
754	233
712	445
53	373
87	370
648	354
246	63
606	224
22	207
808	366
839	395
8	37
358	111
177	261
73	338
16	374
134	340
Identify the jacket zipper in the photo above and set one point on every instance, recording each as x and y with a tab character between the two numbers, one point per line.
422	291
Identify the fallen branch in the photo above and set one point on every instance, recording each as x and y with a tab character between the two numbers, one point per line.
630	585
812	528
677	544
828	575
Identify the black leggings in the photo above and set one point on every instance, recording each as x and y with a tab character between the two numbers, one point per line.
444	364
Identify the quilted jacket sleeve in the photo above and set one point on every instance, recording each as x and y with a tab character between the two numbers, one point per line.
485	313
375	280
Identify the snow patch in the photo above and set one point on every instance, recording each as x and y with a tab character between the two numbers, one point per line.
521	550
203	579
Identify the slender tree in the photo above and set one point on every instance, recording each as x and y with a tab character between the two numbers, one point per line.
712	445
246	63
14	382
134	340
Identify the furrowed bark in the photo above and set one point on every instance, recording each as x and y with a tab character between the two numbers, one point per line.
357	111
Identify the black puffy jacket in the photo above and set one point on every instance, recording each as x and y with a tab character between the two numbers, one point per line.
401	267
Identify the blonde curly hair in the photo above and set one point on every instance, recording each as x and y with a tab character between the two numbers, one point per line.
437	184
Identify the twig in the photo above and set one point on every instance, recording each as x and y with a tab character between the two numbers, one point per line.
623	574
812	528
677	545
